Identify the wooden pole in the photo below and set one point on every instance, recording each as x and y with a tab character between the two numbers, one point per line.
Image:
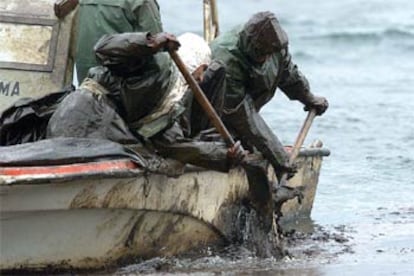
211	22
207	20
214	19
299	140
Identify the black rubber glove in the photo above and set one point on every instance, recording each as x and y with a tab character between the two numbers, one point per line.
290	169
236	153
320	104
163	41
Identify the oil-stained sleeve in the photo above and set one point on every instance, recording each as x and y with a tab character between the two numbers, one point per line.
235	83
292	82
235	93
119	49
252	129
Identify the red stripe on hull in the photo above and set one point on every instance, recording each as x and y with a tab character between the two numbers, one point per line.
104	166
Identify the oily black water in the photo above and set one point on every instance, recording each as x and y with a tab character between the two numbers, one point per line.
359	55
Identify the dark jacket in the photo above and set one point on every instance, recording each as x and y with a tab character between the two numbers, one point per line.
131	82
249	85
137	80
244	77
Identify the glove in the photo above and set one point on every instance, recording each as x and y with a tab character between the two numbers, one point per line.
163	41
236	153
289	169
198	74
284	193
320	104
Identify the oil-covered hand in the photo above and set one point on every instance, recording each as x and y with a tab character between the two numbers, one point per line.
236	153
320	104
163	41
289	169
198	74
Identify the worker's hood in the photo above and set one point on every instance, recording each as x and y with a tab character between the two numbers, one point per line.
262	35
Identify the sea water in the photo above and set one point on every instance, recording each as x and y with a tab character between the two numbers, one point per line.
360	56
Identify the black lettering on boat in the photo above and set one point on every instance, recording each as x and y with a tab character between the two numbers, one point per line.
10	88
4	88
16	89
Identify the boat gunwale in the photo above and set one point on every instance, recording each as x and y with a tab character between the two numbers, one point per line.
127	171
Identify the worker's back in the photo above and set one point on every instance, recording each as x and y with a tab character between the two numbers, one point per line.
99	17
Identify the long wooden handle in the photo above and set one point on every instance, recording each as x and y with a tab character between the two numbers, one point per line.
302	135
202	100
300	139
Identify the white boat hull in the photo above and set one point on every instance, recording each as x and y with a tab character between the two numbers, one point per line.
98	222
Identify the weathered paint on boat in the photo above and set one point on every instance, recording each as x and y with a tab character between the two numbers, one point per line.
36	50
91	223
95	221
309	165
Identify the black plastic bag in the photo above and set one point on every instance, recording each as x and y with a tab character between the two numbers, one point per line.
26	120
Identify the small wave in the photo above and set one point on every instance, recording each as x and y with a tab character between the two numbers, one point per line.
346	36
390	33
397	33
303	55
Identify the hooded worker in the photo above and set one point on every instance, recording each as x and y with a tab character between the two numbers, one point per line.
134	76
257	63
137	95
